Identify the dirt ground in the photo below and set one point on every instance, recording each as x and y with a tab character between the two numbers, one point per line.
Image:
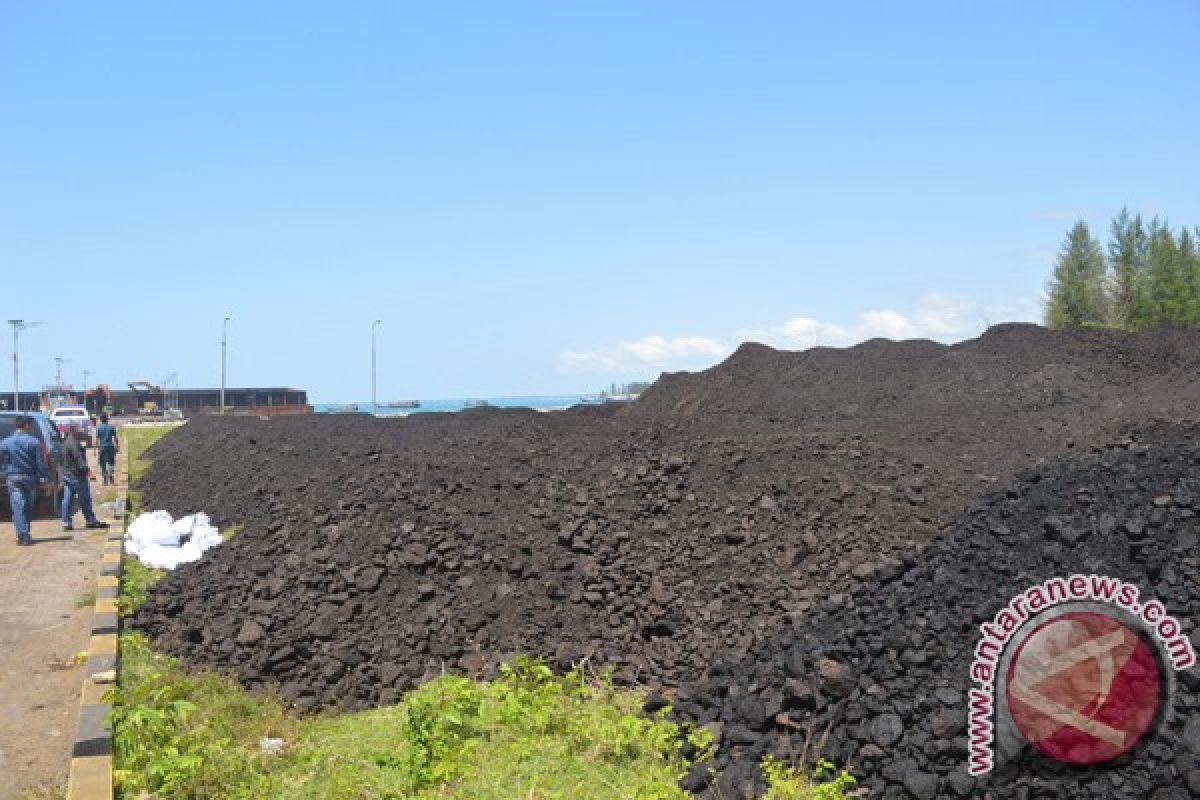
46	598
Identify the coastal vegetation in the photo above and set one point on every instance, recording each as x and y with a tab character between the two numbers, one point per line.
1147	276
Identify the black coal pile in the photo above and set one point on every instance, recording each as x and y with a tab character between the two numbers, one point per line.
879	680
701	520
378	553
1016	377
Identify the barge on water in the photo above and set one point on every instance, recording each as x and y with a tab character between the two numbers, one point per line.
348	408
402	404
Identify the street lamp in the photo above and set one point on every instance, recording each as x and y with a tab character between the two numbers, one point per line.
18	325
224	347
374	404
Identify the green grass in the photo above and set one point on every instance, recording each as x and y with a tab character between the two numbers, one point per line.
186	736
820	781
136	580
527	735
136	440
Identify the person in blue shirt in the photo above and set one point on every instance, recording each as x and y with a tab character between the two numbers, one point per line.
106	437
24	466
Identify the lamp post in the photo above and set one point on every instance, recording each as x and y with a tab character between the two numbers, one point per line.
224	347
374	403
18	325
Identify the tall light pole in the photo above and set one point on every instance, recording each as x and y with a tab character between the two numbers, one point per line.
374	403
18	325
224	346
58	362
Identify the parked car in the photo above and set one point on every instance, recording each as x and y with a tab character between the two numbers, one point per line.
50	494
68	418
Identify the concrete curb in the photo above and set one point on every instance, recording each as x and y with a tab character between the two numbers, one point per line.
91	757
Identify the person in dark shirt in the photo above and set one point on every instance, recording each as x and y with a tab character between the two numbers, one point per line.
106	436
24	466
75	481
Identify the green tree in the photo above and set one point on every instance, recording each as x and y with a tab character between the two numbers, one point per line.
1166	297
1126	270
1075	296
1189	265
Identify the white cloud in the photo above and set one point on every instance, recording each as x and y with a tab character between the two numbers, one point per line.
798	332
1027	308
886	323
942	315
649	353
802	328
937	316
658	350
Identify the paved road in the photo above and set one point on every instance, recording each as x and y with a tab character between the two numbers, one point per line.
46	594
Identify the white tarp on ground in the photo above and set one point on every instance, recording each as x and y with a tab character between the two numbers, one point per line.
160	541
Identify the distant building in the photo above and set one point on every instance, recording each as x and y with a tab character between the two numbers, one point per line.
27	401
150	399
270	401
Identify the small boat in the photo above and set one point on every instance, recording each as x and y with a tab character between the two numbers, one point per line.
476	404
351	408
402	404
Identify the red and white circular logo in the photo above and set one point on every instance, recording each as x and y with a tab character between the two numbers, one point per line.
1083	687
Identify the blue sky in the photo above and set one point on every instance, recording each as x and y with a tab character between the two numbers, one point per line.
543	197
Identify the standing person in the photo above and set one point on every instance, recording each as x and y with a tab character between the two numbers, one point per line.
106	436
24	468
75	481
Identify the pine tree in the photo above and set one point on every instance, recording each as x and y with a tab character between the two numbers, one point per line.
1126	269
1189	267
1075	297
1166	286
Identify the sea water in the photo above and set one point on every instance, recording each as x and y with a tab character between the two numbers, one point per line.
540	402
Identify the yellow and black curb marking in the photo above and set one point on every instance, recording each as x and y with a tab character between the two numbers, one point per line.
91	757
